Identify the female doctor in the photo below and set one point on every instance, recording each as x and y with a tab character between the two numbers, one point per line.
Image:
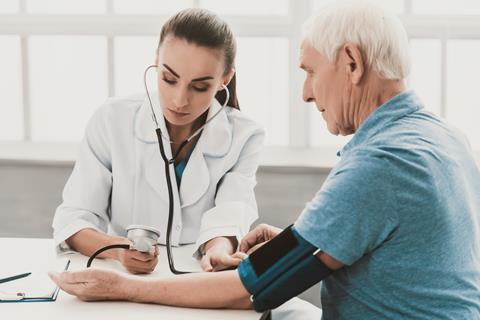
118	179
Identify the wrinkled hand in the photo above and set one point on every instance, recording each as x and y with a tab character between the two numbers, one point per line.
92	284
256	238
137	262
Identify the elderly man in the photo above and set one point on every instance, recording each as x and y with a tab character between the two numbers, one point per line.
397	222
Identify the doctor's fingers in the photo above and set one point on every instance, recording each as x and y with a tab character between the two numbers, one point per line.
240	255
254	248
136	266
213	262
141	256
261	233
226	260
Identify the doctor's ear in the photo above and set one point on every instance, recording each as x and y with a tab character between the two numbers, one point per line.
227	78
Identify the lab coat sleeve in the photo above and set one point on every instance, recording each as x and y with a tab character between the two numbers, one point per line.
86	196
235	206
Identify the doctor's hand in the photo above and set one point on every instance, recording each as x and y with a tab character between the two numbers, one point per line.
219	254
92	284
137	262
256	238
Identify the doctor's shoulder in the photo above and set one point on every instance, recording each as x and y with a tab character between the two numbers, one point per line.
116	112
243	126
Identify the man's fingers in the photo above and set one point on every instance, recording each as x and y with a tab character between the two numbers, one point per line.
76	276
55	276
70	288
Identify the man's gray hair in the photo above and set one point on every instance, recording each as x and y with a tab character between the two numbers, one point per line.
380	35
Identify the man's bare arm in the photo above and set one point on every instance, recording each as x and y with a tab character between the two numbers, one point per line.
197	290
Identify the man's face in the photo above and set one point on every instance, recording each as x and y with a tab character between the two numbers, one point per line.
324	85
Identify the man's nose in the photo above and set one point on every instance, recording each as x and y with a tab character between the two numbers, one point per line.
307	94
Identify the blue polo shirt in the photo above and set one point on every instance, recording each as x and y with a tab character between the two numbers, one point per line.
401	210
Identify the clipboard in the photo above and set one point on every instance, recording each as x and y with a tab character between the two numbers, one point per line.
22	290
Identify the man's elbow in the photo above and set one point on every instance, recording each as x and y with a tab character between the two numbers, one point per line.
242	303
328	261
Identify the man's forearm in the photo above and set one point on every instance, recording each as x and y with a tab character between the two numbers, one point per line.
196	290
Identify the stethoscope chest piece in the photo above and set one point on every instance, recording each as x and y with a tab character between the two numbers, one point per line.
143	238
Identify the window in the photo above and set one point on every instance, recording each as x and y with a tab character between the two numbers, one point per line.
449	7
66	6
68	81
63	58
149	6
9	6
263	84
11	112
132	54
463	105
246	7
425	77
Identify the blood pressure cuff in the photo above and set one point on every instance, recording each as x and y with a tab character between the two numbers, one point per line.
281	269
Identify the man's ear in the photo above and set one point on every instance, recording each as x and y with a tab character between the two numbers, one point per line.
351	57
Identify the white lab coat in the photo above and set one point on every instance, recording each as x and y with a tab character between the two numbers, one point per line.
119	177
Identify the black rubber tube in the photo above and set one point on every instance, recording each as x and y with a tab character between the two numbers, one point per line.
112	246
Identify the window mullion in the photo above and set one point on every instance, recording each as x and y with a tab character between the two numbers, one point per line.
299	124
407	7
111	66
443	73
27	116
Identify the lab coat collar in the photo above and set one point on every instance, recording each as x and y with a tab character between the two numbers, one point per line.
215	140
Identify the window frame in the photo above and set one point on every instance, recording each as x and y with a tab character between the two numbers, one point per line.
110	25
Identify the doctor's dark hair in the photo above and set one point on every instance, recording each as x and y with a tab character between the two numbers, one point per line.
206	29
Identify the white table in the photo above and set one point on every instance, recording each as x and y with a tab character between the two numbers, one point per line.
26	252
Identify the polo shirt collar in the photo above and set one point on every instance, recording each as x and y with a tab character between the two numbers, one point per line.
398	107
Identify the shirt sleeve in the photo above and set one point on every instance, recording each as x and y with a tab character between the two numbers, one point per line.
86	196
235	206
354	211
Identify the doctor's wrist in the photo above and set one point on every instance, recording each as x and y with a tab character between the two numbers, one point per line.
226	244
116	254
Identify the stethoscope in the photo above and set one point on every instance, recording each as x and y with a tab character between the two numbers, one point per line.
144	238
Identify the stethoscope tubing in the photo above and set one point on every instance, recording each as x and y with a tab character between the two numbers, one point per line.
168	162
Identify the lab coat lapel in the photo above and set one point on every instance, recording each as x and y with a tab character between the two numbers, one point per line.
215	141
153	163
